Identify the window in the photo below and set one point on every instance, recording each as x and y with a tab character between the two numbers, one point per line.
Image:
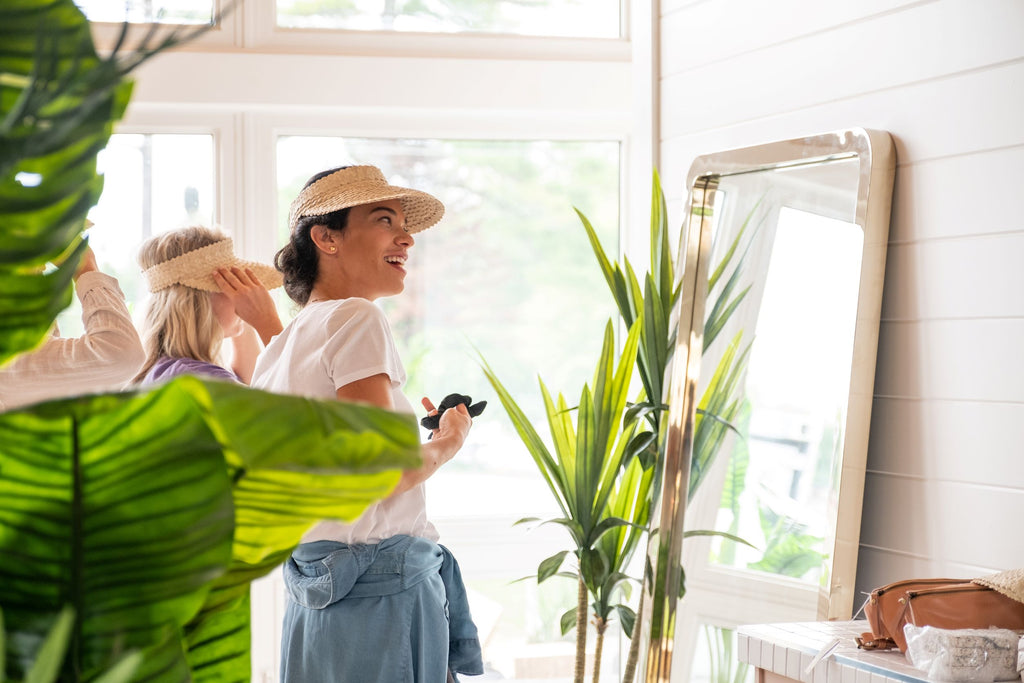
567	18
149	11
151	183
496	112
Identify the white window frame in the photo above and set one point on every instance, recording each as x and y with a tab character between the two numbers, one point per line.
392	85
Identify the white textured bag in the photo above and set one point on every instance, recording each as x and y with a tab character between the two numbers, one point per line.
964	655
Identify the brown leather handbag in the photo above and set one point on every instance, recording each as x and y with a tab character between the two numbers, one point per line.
941	603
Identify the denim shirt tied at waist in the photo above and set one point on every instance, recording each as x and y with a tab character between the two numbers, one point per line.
321	573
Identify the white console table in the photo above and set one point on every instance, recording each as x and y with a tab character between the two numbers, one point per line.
782	653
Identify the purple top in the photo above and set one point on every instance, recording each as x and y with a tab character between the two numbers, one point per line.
166	368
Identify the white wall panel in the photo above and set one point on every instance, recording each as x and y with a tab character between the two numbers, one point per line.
952	116
894	50
961	277
702	33
981	194
970	442
317	81
948	532
976	360
880	566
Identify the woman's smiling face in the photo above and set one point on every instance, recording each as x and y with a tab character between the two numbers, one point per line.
373	249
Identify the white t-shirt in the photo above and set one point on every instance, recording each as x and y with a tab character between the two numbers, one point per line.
330	344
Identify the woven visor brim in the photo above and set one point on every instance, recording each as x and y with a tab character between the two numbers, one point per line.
1009	583
422	210
195	269
267	275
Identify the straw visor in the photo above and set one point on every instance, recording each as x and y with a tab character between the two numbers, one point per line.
1009	583
357	185
195	269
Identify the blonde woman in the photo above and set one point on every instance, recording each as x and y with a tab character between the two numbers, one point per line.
201	296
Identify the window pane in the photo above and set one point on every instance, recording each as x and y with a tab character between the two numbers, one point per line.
151	184
149	11
567	18
510	272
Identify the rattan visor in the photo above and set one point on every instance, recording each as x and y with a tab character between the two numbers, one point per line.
1010	583
195	269
358	185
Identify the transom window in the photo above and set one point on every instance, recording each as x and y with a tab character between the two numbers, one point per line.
566	18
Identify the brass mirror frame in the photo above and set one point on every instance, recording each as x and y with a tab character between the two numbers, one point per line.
664	573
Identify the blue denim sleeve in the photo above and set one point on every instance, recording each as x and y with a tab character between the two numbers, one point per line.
464	654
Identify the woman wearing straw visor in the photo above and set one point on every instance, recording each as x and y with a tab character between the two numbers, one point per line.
377	599
201	294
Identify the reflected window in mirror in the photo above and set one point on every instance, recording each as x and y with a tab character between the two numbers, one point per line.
782	478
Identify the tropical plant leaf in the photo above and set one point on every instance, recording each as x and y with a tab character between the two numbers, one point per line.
727	257
716	410
125	524
123	671
791	555
613	274
51	654
739	461
722	534
550	566
55	115
125	507
628	619
58	103
525	520
568	621
3	648
530	438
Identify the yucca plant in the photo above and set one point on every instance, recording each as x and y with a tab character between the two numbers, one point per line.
582	469
725	665
647	309
655	302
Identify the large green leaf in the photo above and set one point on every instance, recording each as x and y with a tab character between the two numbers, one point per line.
124	507
58	103
276	497
126	524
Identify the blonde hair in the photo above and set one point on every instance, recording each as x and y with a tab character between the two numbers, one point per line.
179	321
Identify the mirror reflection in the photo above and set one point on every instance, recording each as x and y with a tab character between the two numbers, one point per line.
796	285
791	247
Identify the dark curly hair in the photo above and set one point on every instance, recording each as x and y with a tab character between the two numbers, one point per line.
297	260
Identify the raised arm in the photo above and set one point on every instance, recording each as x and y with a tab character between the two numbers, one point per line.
105	357
255	307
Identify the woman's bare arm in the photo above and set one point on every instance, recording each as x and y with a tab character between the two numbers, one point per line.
446	442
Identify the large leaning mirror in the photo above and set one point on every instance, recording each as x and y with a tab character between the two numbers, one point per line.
783	260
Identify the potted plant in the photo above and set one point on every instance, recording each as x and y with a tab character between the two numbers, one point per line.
617	511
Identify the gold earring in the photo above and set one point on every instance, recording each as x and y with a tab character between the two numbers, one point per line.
334	249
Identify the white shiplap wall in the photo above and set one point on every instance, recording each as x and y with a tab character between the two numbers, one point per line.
945	484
